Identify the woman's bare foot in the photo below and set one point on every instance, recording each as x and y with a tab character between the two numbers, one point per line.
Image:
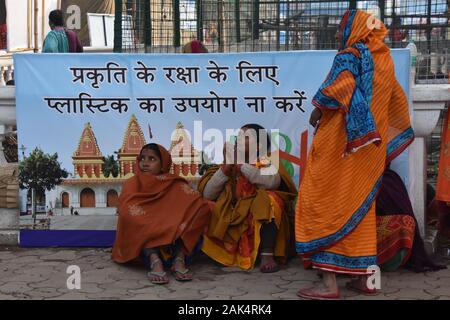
268	263
359	285
327	290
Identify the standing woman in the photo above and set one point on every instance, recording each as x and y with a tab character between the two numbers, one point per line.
364	124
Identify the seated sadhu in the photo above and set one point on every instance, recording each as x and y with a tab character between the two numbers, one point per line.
248	219
160	217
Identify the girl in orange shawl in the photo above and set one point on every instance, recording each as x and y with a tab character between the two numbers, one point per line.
364	125
160	216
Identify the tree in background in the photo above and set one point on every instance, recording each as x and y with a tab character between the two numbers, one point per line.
110	167
39	172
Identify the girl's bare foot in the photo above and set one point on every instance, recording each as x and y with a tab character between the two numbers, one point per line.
157	275
179	268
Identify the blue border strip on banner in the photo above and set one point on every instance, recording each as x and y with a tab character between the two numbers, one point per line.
67	238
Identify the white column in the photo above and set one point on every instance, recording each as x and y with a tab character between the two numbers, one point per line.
418	179
2	76
100	196
7	116
2	138
4	131
9	73
9	218
426	116
74	196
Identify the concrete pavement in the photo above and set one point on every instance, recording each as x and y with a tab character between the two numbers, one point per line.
41	274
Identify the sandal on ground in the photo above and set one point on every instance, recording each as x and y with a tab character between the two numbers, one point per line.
352	286
156	277
269	267
181	275
310	294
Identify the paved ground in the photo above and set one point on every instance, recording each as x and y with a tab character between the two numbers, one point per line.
41	274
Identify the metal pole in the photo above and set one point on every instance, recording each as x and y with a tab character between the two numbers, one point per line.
429	27
220	26
33	209
118	26
176	23
296	33
199	9
382	6
36	26
29	24
147	26
278	25
255	19
237	18
287	23
43	21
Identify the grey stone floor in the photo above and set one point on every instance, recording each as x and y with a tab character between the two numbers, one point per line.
42	274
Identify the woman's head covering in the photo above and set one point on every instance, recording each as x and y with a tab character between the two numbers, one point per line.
359	26
195	46
164	155
354	63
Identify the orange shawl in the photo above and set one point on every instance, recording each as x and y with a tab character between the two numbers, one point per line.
365	124
157	210
443	179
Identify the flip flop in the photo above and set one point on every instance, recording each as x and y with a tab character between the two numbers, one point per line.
180	273
308	294
366	291
153	274
160	274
